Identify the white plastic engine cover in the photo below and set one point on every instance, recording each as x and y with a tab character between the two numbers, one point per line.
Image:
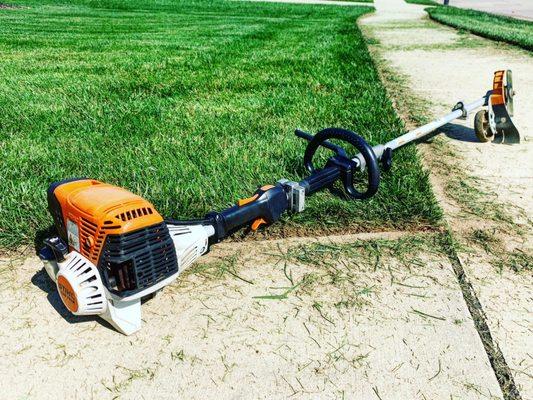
80	286
190	241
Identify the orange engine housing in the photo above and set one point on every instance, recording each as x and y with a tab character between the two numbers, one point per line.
98	209
119	232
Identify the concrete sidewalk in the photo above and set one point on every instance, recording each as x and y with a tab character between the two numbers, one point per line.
353	327
318	2
440	66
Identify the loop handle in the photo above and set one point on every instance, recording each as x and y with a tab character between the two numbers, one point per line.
345	165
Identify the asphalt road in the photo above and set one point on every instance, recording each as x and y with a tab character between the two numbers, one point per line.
522	9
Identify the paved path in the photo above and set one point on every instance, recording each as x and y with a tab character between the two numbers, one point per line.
396	328
522	9
442	66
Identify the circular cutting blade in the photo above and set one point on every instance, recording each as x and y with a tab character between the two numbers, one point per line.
509	92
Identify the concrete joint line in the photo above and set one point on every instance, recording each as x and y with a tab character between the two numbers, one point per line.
497	360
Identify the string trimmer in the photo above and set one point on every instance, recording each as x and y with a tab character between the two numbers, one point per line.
113	248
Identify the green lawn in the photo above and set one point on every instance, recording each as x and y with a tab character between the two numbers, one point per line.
424	2
190	104
356	1
505	29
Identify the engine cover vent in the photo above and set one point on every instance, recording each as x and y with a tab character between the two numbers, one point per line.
137	260
134	213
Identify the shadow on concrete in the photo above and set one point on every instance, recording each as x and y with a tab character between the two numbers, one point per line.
465	134
460	132
41	280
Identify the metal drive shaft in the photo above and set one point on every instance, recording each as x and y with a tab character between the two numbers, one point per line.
424	130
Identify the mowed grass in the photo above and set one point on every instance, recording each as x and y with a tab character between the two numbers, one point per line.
496	27
423	2
356	1
191	104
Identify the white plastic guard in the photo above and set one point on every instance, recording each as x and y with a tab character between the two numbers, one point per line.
125	316
82	291
80	286
190	241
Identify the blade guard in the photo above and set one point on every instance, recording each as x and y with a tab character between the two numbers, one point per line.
501	107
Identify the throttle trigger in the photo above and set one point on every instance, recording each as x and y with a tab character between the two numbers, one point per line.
243	202
257	223
256	195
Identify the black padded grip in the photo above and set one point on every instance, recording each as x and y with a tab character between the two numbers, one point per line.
268	206
360	144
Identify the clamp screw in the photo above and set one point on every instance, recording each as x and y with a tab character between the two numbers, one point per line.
89	242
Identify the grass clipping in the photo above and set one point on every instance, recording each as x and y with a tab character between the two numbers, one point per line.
335	275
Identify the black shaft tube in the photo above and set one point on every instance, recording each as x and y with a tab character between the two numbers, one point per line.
235	217
320	179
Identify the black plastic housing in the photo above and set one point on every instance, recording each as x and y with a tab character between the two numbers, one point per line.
55	208
132	262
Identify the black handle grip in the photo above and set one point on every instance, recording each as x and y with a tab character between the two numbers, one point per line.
266	206
344	164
